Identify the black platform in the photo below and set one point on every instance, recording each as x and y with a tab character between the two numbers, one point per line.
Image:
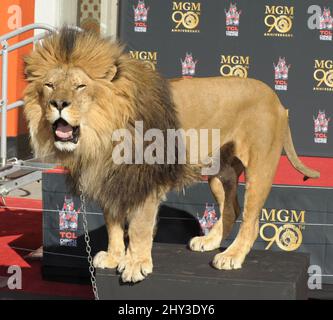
182	274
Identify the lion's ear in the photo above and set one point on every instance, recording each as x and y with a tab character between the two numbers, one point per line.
112	73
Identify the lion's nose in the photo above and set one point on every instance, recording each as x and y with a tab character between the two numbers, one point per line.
59	104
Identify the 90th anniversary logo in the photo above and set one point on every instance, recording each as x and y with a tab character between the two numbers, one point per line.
279	21
283	227
323	75
235	66
186	16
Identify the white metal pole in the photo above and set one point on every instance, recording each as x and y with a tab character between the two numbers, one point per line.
114	18
4	101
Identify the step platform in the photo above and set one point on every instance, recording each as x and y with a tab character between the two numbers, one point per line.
181	274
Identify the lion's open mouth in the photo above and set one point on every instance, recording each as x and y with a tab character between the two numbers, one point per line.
64	132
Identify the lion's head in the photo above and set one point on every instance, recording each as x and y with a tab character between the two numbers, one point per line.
81	89
75	96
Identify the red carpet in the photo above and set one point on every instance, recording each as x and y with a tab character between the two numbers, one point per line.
287	175
22	228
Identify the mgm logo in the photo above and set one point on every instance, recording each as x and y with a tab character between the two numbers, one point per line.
323	75
150	57
279	21
186	16
236	66
283	227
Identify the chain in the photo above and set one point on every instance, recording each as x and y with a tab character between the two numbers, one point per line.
88	247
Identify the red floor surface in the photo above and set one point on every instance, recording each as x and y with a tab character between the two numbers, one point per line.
286	174
22	228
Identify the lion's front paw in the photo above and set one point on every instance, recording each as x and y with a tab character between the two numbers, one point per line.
134	270
105	260
228	261
204	243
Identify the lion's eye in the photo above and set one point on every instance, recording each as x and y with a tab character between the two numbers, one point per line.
49	85
80	87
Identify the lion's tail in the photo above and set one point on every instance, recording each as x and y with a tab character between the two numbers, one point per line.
293	158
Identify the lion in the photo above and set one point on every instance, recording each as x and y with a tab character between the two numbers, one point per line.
82	88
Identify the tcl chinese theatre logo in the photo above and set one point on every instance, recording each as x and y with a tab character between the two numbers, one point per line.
323	75
140	16
321	19
282	227
279	21
68	223
188	66
281	71
150	57
186	16
236	66
232	18
321	127
326	25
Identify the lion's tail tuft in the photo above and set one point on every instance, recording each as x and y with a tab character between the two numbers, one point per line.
293	158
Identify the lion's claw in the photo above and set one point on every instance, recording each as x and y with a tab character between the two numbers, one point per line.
225	261
135	271
104	260
204	243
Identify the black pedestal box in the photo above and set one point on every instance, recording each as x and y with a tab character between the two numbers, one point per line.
293	220
180	274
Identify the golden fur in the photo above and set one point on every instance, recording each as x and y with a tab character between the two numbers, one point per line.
103	90
254	129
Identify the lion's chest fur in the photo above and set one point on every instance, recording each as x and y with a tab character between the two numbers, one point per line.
120	189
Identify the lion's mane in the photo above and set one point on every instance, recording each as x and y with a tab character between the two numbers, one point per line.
136	93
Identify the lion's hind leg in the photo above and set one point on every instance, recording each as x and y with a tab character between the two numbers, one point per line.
224	189
258	186
231	211
213	239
